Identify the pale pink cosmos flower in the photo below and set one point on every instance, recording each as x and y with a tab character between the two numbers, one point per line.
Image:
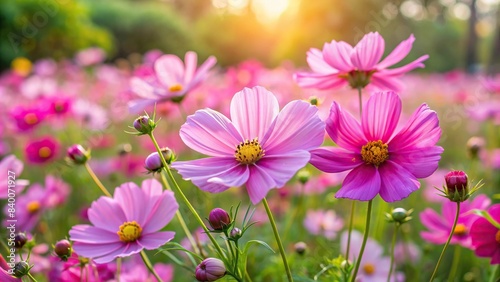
173	80
11	167
323	222
127	223
439	226
260	147
339	64
382	160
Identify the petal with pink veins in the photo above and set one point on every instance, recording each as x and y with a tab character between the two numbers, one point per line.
334	159
381	116
344	130
421	162
155	240
107	214
259	183
399	53
169	69
362	183
338	55
397	182
283	167
368	52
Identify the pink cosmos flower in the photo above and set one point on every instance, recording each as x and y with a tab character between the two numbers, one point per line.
322	222
492	84
486	237
135	271
90	56
42	150
26	118
259	147
339	64
80	269
173	80
439	226
15	166
381	161
127	223
4	272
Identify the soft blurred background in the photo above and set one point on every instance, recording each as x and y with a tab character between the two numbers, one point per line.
455	33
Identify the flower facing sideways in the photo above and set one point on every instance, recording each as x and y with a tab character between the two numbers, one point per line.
259	147
381	161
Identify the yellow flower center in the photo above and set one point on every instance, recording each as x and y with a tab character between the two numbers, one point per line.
33	206
175	87
375	152
369	269
460	230
249	152
129	231
21	66
44	152
497	236
30	119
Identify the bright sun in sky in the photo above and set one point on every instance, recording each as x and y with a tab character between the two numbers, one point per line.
267	11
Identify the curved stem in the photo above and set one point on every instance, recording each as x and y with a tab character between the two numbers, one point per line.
351	220
31	277
149	266
96	180
179	192
393	244
455	263
278	240
447	242
365	238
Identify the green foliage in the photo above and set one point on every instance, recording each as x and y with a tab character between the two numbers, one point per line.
47	28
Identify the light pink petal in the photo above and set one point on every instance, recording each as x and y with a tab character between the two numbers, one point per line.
317	63
92	235
397	54
202	71
384	83
421	162
338	55
421	130
333	159
406	68
137	106
432	220
155	240
132	200
210	133
259	183
143	89
368	52
169	69
191	62
320	81
107	214
297	127
362	183
152	187
213	174
397	182
283	167
98	250
344	130
127	250
381	116
435	237
252	111
161	213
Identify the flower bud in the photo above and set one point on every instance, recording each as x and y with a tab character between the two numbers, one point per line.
474	146
303	175
20	240
168	154
457	186
219	219
153	162
21	269
399	215
211	269
144	125
78	155
236	233
63	249
300	248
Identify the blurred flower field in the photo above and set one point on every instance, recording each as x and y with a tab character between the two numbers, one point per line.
177	168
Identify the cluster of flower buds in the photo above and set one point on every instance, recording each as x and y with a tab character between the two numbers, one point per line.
153	162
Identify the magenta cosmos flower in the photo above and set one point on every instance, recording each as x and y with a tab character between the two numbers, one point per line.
42	150
127	223
439	226
382	161
486	237
172	81
259	147
339	64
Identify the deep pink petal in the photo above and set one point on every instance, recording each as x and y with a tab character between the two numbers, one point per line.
92	235
338	55
169	69
317	63
368	52
397	54
344	130
283	167
107	214
132	199
362	183
381	116
155	240
420	131
435	237
433	221
259	183
213	174
397	182
161	213
421	162
252	112
320	81
297	127
210	133
333	159
406	68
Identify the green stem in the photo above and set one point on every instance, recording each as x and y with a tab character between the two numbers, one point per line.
31	277
393	244
181	219
96	180
360	98
447	242
179	192
454	264
278	240
495	273
118	269
351	220
365	238
149	266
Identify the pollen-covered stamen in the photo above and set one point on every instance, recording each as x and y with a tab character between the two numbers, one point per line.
249	152
129	231
375	152
175	87
33	206
368	268
44	152
30	119
460	230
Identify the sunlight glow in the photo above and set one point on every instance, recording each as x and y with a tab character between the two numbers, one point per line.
269	11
